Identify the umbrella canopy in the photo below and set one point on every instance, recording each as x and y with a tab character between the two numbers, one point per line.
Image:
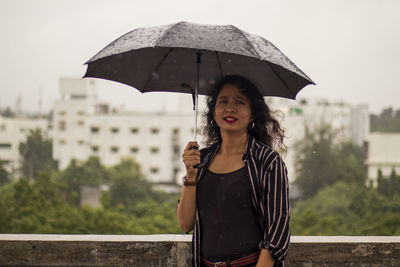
168	58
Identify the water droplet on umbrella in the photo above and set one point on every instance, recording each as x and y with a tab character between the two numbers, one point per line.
155	75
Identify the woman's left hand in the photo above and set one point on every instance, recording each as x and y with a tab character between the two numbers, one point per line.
265	259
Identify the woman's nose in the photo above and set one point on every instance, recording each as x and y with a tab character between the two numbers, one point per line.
230	106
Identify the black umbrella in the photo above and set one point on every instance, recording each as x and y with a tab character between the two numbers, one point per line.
189	58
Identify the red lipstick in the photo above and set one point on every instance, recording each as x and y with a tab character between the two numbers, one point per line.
230	119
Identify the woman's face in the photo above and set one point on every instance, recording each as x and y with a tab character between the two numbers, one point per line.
232	110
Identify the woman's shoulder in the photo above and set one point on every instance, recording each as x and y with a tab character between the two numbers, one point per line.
264	153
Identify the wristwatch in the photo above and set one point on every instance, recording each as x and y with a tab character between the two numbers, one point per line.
188	183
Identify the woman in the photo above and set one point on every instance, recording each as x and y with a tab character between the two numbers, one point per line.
237	204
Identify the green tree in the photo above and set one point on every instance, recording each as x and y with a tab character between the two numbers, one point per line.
321	162
4	175
347	209
387	121
7	113
89	173
43	205
128	185
130	193
36	154
389	186
30	205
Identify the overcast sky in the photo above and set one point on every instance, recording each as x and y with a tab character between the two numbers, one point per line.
350	48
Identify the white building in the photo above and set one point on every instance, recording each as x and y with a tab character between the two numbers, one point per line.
350	122
85	126
13	131
383	153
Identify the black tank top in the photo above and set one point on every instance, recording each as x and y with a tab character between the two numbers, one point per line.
229	225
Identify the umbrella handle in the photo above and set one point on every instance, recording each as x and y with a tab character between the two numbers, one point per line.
201	164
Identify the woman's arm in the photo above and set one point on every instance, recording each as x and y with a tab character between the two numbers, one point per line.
277	208
187	208
187	203
265	259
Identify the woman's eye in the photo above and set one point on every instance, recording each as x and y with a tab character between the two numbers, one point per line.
223	102
240	102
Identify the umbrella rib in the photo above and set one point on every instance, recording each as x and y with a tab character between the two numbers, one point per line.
167	31
156	70
283	82
269	63
247	41
219	64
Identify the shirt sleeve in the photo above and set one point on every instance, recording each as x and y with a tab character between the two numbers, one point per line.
276	203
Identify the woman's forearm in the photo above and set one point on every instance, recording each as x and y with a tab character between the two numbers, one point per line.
265	259
187	208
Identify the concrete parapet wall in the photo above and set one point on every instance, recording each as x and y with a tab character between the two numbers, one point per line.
175	250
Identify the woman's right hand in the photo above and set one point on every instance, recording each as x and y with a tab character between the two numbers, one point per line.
191	157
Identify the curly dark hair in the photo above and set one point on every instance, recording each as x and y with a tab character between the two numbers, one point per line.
266	128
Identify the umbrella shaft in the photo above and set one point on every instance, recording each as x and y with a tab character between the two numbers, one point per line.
195	121
196	94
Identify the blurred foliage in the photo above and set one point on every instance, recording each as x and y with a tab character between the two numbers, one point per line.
47	205
36	154
347	209
387	121
4	175
51	202
7	113
336	199
89	173
321	162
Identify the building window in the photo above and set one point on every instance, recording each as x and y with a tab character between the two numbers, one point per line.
94	129
22	130
154	130
154	169
5	146
176	149
154	150
114	130
81	112
3	127
95	149
6	161
81	123
62	125
114	149
134	130
78	96
62	112
62	142
80	142
175	131
134	149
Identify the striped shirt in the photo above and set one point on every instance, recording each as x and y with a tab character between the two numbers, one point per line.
270	196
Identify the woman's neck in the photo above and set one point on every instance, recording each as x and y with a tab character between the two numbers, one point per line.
233	144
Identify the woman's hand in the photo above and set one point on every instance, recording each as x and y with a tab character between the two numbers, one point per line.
191	157
265	259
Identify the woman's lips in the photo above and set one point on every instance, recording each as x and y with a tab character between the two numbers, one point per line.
230	119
